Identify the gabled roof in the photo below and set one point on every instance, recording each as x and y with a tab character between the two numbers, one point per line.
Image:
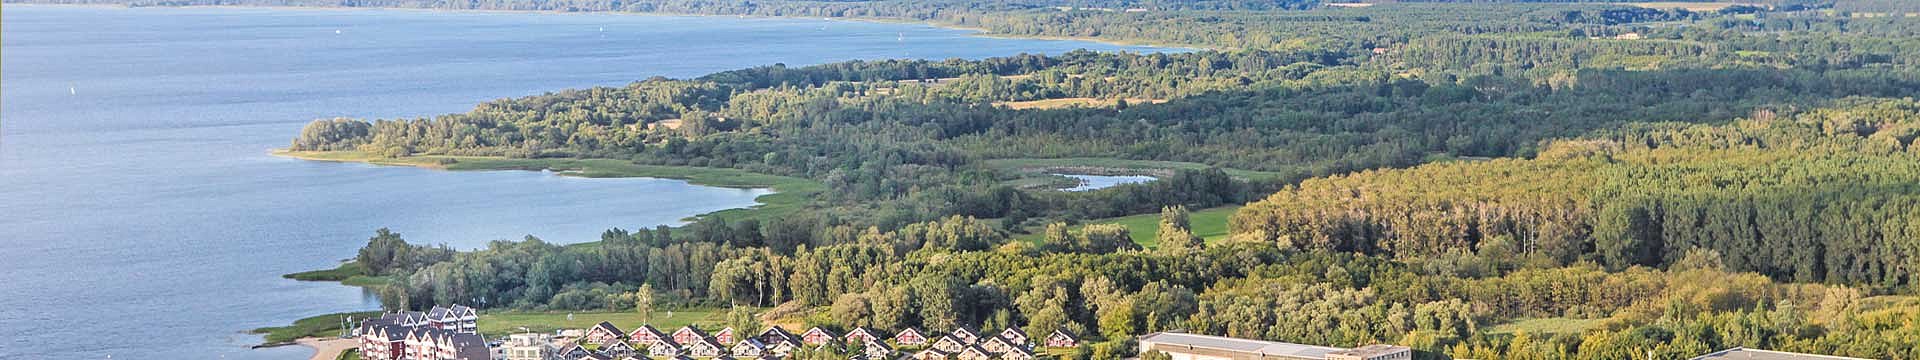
665	340
976	349
619	345
1013	330
1064	332
776	330
909	331
946	338
933	351
708	341
571	347
1020	350
696	331
647	329
822	330
609	326
963	332
999	339
470	347
877	344
592	356
867	332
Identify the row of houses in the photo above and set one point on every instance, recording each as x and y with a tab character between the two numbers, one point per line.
455	318
775	343
443	333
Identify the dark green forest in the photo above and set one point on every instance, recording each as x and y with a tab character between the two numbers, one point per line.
1472	179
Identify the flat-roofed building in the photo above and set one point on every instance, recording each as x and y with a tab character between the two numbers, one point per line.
1373	352
1741	353
1182	346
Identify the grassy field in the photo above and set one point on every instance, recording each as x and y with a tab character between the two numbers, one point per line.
1209	224
501	323
1070	102
324	326
350	354
1546	326
1041	165
790	193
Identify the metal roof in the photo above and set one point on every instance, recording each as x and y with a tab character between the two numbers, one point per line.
1241	345
1741	353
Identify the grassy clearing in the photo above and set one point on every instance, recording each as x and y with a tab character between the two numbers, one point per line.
350	354
502	323
1690	6
790	195
349	273
1043	165
1555	325
324	326
344	271
1209	224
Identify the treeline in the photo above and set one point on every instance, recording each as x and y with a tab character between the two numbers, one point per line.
1817	195
959	272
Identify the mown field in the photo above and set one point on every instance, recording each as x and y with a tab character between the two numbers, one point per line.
1209	224
507	322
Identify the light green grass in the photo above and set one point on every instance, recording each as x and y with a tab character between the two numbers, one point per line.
791	193
495	324
349	273
350	354
1025	165
1208	224
345	270
323	326
1554	325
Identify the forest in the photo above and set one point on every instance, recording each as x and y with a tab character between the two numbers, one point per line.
1472	179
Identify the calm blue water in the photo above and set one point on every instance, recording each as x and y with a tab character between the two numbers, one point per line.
141	217
1096	182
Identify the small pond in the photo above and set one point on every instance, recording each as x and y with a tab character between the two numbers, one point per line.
1096	182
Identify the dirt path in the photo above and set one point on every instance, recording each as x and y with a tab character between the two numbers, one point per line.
327	349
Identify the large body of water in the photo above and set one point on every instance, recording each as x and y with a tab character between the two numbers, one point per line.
141	217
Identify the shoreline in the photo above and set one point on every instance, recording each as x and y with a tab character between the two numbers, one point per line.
785	194
975	31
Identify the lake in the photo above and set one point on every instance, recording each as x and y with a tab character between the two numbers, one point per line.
143	217
1096	182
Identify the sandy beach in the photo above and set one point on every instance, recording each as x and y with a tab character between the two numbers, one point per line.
327	349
